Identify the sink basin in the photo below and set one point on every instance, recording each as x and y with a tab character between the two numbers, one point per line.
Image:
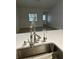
39	50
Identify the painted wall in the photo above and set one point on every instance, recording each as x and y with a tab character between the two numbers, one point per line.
17	20
24	20
55	15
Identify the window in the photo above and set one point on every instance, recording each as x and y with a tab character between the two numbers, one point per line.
32	17
44	17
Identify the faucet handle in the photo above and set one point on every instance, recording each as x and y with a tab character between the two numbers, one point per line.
44	39
24	43
36	39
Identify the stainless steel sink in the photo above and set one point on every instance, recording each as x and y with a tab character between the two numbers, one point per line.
40	49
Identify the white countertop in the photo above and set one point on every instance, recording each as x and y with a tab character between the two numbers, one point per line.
53	36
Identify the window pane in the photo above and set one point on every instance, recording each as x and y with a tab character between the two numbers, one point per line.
32	17
44	17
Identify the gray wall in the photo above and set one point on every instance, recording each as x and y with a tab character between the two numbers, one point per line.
55	18
24	20
17	20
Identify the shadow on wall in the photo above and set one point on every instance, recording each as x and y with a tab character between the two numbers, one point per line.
55	16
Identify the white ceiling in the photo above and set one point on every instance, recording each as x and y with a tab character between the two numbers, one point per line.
36	3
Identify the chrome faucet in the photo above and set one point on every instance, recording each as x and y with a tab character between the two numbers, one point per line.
34	38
